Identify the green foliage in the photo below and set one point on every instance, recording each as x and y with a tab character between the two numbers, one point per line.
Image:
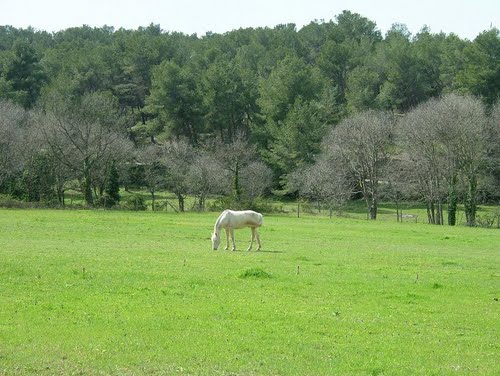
350	43
353	26
480	74
38	181
290	79
21	75
363	87
296	141
112	189
277	88
404	86
176	100
134	202
225	100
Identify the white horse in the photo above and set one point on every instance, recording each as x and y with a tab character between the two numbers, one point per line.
230	220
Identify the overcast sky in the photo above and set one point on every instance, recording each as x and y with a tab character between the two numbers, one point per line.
465	18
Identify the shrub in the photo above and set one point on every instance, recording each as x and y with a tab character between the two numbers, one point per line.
134	202
256	273
488	221
229	202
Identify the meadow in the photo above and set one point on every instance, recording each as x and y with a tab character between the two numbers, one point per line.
127	293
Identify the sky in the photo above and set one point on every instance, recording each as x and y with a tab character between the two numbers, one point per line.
465	18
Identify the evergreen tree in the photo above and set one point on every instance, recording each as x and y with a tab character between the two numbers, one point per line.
112	189
23	75
480	74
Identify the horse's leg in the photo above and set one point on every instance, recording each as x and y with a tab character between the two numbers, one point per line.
232	237
227	239
253	238
258	239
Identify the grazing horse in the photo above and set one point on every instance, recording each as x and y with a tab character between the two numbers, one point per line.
230	220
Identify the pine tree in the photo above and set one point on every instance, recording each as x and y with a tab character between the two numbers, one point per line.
112	186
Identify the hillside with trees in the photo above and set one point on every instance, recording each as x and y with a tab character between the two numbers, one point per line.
330	112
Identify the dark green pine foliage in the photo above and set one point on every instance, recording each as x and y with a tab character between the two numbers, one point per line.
23	74
112	187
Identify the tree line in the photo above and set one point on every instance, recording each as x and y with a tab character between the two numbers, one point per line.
330	112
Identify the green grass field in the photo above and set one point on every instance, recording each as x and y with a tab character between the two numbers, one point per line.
110	292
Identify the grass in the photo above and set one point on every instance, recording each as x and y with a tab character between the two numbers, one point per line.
103	292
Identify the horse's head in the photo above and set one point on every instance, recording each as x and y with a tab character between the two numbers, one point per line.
215	240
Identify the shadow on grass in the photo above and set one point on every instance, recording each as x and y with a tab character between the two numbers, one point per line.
268	251
255	251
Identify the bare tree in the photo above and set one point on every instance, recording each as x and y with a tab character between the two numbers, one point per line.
204	178
177	157
444	140
52	177
422	153
401	183
233	158
12	118
324	182
85	138
256	178
150	158
470	145
362	145
493	155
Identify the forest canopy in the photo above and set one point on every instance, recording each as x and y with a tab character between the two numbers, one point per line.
257	103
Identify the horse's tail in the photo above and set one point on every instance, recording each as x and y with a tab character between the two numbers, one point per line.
260	221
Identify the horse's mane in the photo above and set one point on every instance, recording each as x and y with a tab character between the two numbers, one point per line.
218	221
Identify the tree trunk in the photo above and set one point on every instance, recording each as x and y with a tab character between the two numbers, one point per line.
153	200
236	182
373	209
452	201
181	202
396	201
60	194
431	216
471	201
87	183
201	203
369	193
371	204
439	213
87	186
